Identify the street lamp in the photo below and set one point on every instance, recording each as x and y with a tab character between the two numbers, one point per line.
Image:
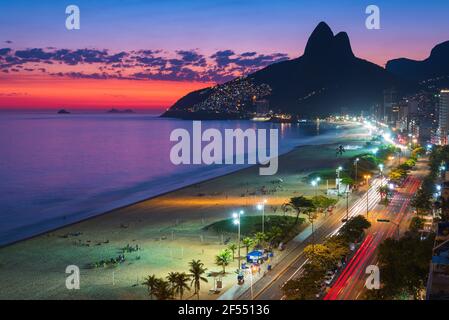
236	220
315	184
338	180
381	169
261	207
392	222
367	177
356	176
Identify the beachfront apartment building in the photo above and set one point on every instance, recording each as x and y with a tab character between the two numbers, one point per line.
443	119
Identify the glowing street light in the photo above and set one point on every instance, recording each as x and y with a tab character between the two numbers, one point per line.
356	161
261	207
339	169
381	169
314	184
236	221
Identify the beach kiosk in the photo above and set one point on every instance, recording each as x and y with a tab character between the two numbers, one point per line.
254	256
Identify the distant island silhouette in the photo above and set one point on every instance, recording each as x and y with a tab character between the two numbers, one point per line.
63	111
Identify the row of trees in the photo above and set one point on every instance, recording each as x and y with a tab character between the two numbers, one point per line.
259	239
439	158
358	166
400	172
422	201
324	257
177	283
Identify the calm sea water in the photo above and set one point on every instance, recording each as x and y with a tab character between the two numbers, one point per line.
58	169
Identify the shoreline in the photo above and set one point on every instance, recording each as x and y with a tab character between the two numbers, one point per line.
53	224
164	193
168	228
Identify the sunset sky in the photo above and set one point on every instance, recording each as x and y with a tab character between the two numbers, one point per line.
147	54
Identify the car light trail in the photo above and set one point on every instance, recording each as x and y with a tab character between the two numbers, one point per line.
353	273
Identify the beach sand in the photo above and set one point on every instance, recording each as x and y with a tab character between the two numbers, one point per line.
168	229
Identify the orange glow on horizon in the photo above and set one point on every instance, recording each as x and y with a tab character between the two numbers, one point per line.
33	92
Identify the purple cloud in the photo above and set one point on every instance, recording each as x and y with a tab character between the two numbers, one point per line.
181	65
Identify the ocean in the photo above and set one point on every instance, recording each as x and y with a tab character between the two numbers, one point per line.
60	169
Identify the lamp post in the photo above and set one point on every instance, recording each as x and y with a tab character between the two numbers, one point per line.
367	177
338	180
356	176
236	216
314	184
397	225
261	207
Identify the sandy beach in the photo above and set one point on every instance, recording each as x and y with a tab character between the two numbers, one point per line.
169	231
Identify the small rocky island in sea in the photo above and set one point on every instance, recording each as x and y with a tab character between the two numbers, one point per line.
63	111
113	110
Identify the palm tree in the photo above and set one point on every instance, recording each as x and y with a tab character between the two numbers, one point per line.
275	234
260	238
247	242
223	259
171	278
196	274
151	283
232	247
178	281
163	290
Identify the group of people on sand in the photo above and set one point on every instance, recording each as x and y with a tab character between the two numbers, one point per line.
112	262
130	248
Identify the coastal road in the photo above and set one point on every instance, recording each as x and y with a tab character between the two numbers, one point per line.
350	284
269	287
